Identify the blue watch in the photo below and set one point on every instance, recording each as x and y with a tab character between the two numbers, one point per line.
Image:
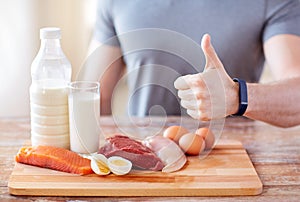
243	97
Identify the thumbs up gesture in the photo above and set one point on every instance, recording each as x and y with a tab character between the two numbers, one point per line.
211	94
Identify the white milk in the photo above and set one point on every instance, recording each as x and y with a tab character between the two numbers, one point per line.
49	93
50	120
49	113
84	114
59	110
62	141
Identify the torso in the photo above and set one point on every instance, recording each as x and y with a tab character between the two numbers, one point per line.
155	58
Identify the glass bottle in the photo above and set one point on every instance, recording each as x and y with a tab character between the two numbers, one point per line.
50	73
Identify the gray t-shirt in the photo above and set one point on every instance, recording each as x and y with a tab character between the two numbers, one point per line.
160	40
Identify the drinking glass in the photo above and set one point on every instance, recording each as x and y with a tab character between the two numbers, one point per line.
84	115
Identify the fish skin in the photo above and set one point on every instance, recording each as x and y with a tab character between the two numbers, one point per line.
54	158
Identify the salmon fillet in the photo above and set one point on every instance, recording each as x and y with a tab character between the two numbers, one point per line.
54	158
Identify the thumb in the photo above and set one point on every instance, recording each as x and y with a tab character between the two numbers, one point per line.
211	57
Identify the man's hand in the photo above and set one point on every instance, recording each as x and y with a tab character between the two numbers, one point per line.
211	94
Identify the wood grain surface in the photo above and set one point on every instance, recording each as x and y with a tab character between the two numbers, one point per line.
274	152
227	170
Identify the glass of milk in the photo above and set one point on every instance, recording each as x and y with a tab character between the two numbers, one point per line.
84	115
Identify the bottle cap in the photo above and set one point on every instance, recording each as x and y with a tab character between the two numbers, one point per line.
50	33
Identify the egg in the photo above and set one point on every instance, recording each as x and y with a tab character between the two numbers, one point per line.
175	132
119	165
99	164
192	144
208	136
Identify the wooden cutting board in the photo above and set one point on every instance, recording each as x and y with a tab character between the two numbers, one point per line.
227	170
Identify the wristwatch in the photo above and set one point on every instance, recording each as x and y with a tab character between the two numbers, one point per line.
243	97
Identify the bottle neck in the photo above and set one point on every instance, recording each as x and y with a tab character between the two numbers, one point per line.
51	46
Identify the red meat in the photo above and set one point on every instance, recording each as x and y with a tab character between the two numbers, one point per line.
141	156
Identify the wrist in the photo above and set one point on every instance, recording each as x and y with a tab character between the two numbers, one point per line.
252	91
233	104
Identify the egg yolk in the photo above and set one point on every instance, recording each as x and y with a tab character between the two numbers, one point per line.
102	167
119	162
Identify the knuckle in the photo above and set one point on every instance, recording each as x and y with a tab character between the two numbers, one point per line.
201	107
204	106
197	81
204	117
198	95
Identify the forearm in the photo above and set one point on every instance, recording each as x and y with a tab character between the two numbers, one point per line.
107	84
105	107
104	63
275	103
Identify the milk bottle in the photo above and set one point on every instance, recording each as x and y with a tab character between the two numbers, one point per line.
50	73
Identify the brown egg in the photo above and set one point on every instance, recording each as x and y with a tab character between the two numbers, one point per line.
208	136
175	132
192	144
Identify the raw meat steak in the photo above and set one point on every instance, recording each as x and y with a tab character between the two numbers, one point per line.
141	156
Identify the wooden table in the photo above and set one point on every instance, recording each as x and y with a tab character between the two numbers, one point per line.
275	153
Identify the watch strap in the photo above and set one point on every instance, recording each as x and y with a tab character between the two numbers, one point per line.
243	97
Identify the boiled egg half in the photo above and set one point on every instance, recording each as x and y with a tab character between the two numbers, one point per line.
99	164
119	165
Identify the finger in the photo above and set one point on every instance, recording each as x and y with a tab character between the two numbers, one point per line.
181	83
192	94
189	104
196	80
211	57
186	94
193	113
196	114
